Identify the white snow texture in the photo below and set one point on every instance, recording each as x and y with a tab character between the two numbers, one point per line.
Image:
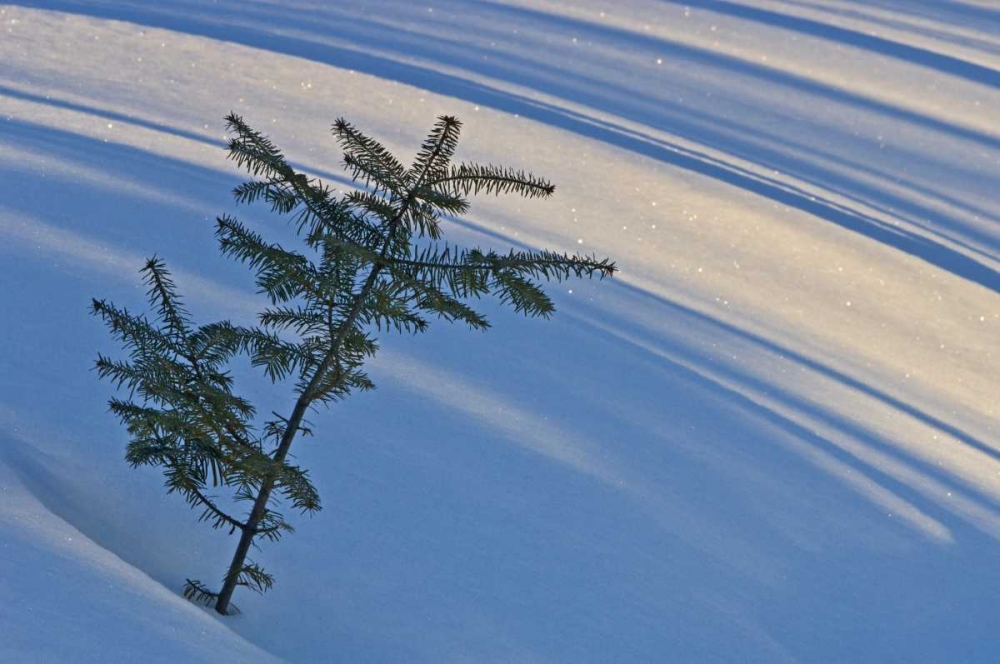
773	437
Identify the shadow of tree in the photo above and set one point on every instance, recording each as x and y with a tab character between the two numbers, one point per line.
941	62
318	44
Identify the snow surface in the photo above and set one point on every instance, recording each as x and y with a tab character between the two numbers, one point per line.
773	438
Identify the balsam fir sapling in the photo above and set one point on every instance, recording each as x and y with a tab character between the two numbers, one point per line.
370	261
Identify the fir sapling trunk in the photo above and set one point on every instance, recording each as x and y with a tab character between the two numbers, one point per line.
372	263
248	533
302	405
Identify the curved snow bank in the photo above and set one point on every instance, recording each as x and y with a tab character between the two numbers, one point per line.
69	599
773	438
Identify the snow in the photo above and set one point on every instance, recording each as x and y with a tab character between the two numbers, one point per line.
773	437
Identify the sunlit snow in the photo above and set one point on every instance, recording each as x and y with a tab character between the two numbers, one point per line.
772	438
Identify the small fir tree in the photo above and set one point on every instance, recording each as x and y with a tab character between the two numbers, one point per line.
372	261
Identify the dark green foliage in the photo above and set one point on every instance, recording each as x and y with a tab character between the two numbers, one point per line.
371	261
